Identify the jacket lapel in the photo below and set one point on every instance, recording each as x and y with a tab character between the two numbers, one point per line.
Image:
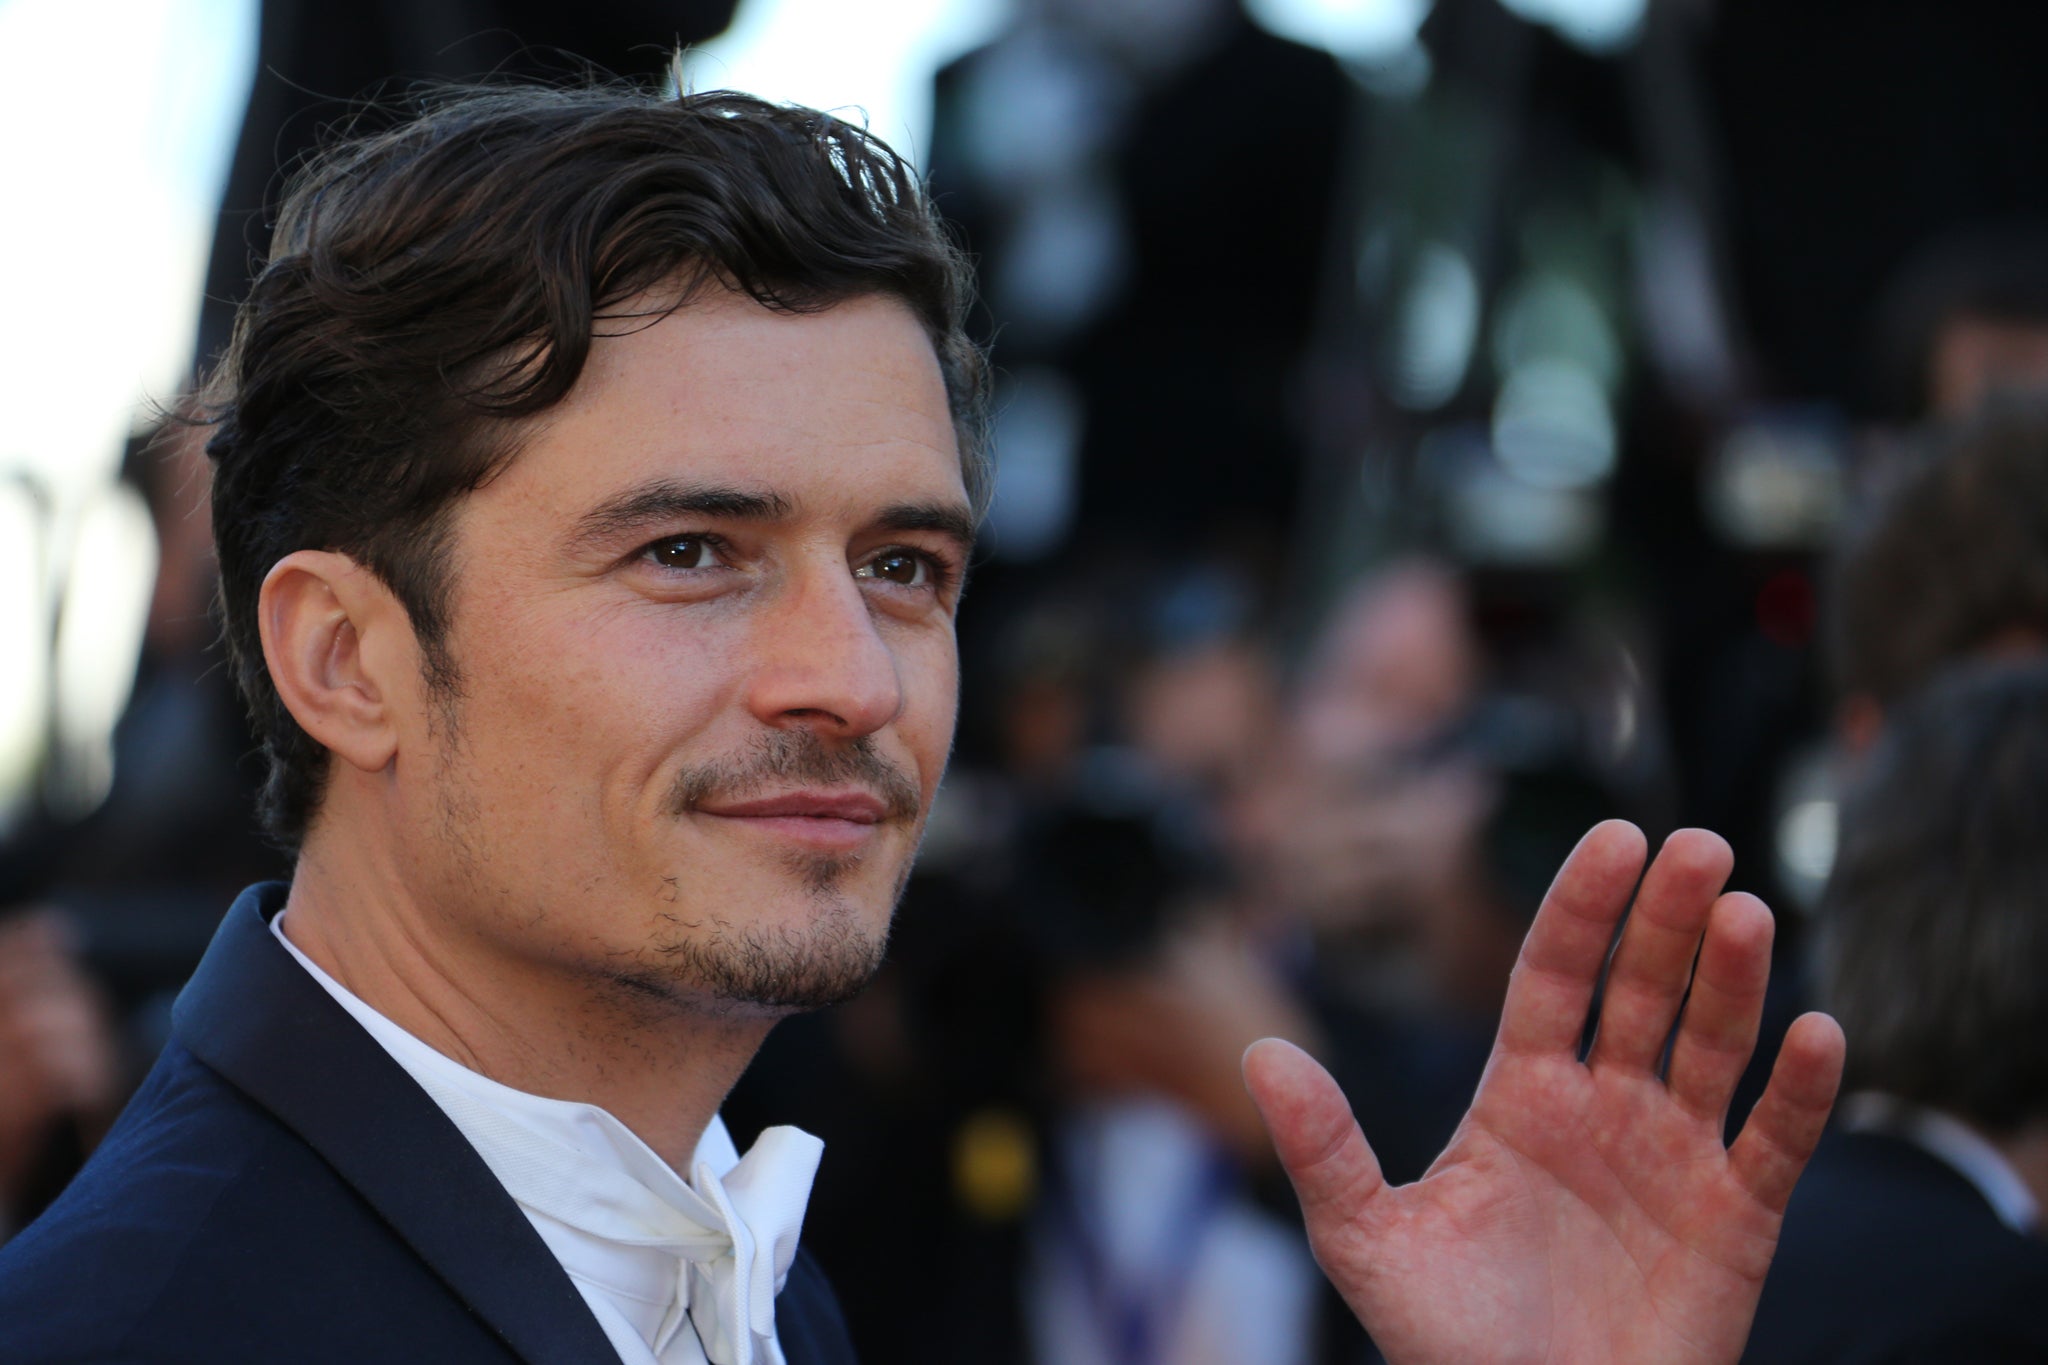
256	1017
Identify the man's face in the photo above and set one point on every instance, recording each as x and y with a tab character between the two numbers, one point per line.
1975	356
703	626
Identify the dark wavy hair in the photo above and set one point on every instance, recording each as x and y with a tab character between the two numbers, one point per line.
1948	556
1934	924
432	284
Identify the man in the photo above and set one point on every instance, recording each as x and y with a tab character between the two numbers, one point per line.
1915	1236
1944	573
1947	561
595	476
1964	319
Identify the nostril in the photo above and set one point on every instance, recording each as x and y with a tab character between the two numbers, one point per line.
818	713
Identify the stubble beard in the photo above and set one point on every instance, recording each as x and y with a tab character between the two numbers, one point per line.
832	957
715	963
748	968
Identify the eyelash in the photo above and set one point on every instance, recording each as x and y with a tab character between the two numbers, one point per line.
943	573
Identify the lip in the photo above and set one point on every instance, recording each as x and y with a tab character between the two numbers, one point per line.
856	807
827	822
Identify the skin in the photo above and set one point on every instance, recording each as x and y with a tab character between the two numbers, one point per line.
2027	1151
1584	1211
58	1054
1973	356
739	539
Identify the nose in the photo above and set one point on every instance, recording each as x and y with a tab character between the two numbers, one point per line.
821	662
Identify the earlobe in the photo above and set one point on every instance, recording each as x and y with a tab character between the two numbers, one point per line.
316	610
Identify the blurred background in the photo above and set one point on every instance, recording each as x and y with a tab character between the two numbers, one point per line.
1424	429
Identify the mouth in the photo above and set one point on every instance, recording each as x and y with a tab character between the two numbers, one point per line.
825	821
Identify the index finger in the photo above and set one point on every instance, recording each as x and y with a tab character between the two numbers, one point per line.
1551	988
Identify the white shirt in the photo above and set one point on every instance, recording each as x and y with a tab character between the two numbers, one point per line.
677	1271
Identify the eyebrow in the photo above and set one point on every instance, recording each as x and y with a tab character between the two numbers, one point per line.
664	500
951	520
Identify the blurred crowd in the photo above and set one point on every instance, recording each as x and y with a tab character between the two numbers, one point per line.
1407	461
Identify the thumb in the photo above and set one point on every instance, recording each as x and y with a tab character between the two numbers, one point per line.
1335	1174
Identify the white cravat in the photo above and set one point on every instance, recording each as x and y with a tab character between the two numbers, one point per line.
677	1272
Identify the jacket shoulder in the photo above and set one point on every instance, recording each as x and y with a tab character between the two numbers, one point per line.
204	1230
1883	1247
104	1250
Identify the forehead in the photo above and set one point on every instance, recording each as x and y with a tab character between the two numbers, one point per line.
838	410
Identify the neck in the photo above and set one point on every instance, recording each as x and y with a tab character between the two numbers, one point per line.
2026	1151
661	1069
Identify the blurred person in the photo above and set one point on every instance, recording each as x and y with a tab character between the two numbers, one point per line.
599	626
60	1064
1047	699
1917	1234
1348	829
142	880
1150	1244
1074	151
1941	557
126	897
1397	666
1157	1242
1944	567
1947	560
1206	714
1966	317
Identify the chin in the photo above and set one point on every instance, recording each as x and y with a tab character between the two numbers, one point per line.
731	965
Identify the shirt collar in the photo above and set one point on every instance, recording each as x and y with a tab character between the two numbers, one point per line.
585	1128
1959	1146
614	1213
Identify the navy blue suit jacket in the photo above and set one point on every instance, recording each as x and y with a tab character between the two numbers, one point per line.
279	1190
1889	1255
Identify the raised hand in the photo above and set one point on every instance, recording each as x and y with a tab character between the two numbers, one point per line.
1584	1211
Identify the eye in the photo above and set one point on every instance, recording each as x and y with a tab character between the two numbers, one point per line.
906	568
683	552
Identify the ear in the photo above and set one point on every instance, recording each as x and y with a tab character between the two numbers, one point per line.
335	640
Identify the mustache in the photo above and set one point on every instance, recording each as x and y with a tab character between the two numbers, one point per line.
785	758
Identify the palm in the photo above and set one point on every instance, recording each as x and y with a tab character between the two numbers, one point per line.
1584	1211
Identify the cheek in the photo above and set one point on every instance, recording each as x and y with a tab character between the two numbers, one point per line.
598	698
931	684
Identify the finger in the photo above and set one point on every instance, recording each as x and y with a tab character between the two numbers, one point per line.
1647	981
1786	1123
1335	1174
1551	987
1718	1031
